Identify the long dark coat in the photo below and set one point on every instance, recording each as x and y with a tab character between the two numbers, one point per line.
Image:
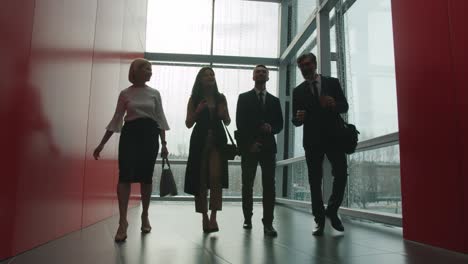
197	143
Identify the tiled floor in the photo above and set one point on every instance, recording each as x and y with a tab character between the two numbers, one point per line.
177	237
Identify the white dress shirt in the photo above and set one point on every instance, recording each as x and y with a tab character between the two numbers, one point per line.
138	102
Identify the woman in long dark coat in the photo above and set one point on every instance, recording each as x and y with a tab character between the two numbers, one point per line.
207	168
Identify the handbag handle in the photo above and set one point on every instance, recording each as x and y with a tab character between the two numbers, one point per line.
164	160
229	134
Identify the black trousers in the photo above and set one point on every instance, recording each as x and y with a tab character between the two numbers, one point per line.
314	158
249	162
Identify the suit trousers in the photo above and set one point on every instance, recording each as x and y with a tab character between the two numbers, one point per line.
249	162
314	158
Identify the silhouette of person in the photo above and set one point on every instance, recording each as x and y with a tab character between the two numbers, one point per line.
138	145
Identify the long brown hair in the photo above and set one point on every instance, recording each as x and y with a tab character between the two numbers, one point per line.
197	92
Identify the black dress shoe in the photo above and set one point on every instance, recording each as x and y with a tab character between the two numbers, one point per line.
270	231
247	224
318	230
335	221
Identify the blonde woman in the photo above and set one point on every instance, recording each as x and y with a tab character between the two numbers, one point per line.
140	107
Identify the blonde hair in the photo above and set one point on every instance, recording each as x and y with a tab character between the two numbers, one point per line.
135	66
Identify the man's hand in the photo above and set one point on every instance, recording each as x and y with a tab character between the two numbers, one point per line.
327	102
255	147
300	115
266	128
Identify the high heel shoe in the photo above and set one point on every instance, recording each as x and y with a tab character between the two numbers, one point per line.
145	225
121	234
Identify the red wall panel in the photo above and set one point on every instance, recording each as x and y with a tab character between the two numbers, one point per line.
62	67
14	54
100	176
50	183
459	43
429	124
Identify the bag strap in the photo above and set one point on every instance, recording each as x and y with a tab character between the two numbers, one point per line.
229	134
164	160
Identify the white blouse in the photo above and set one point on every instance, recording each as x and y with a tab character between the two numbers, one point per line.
138	102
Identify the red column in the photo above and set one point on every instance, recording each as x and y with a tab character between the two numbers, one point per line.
459	44
16	21
428	42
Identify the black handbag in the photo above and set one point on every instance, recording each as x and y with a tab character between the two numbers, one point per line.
167	185
347	137
230	150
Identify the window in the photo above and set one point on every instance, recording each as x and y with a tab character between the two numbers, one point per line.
370	69
246	28
301	11
179	26
374	180
175	85
240	28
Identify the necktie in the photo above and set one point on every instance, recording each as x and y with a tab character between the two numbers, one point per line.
260	101
315	89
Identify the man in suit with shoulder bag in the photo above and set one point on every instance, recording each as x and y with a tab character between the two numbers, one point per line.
317	105
258	118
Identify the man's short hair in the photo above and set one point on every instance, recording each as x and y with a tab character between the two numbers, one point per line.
310	55
262	66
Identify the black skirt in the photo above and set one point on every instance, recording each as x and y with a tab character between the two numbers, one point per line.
138	149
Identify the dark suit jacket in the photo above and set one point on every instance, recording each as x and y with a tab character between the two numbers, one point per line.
249	118
320	123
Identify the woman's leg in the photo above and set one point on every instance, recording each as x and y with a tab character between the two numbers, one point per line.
146	189
123	194
201	203
216	189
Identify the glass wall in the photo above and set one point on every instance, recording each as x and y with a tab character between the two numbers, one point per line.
374	180
172	29
361	47
246	28
301	11
175	85
235	180
184	28
361	43
299	188
238	28
370	68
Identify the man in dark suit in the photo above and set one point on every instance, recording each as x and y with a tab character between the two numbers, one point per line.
258	119
317	104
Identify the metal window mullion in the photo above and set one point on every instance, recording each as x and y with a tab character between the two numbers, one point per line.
323	36
300	39
366	145
212	30
200	58
341	47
